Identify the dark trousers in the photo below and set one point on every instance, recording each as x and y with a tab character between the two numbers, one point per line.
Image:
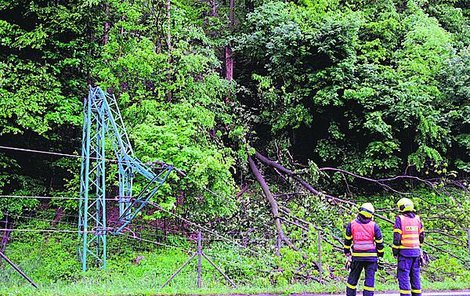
408	276
354	275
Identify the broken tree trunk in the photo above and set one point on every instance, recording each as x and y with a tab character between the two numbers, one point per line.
338	201
297	178
272	201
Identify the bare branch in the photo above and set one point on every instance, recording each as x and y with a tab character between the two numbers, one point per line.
272	201
243	190
378	182
291	174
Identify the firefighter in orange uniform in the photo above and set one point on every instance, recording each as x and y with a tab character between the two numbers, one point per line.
362	245
408	235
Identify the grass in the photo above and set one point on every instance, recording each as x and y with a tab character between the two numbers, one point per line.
146	279
52	262
120	287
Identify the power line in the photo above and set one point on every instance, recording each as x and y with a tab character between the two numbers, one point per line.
43	230
203	228
39	151
39	197
110	160
154	242
50	153
223	238
153	204
50	197
21	217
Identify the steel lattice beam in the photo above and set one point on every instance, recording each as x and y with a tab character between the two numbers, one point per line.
102	126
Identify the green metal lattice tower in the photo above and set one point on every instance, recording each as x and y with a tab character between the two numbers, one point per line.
103	130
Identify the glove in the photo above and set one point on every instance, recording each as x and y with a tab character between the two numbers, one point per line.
348	262
380	264
423	259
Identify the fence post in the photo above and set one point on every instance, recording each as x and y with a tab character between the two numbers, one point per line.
200	254
468	238
320	268
199	259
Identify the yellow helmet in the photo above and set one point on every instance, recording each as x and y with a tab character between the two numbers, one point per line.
367	210
405	205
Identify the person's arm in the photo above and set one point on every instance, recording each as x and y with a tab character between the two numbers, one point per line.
348	240
396	236
379	241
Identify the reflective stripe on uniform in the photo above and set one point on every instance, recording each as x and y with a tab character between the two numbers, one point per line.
410	236
350	286
348	237
369	288
347	247
405	292
381	251
397	230
379	241
402	247
396	247
409	242
364	254
416	291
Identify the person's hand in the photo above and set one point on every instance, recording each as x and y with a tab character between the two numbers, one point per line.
423	259
348	262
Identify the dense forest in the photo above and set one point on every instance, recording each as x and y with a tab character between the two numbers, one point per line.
283	115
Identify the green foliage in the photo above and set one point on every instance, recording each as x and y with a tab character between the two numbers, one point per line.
171	99
43	65
343	75
371	87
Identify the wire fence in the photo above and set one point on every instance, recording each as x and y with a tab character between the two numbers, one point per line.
218	236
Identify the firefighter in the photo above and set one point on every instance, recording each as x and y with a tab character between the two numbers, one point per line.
408	235
363	243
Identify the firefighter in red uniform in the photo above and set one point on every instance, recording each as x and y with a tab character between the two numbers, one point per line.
362	244
408	235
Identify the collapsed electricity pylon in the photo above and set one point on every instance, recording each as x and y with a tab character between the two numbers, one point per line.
103	130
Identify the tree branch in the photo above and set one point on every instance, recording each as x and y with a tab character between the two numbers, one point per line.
272	201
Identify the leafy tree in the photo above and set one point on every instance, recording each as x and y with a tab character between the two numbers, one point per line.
43	62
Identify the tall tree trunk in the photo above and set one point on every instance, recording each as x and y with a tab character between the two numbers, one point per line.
168	32
169	94
213	6
232	14
229	62
213	13
272	201
107	26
